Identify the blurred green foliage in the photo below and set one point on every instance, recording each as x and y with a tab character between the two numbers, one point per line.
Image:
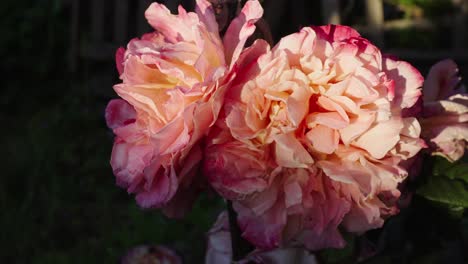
411	38
448	185
431	8
436	11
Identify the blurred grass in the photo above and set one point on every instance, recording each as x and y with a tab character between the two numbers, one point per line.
58	198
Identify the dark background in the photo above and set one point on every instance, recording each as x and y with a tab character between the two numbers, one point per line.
58	200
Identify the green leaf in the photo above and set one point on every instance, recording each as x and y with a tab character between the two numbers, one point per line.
446	191
459	172
441	165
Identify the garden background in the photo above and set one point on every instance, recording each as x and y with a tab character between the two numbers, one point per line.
58	199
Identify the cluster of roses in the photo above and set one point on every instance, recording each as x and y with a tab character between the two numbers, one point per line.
310	135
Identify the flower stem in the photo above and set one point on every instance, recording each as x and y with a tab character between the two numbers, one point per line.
240	246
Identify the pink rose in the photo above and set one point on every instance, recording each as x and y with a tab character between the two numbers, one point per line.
173	84
312	136
235	169
219	249
151	254
302	206
445	122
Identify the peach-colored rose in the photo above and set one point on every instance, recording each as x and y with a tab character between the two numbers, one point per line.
234	169
312	136
445	122
174	81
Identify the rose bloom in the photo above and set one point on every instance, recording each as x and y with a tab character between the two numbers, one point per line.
173	83
219	249
445	122
151	254
312	136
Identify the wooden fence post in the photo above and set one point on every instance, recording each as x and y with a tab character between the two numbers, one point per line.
74	36
121	21
375	19
331	11
97	21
